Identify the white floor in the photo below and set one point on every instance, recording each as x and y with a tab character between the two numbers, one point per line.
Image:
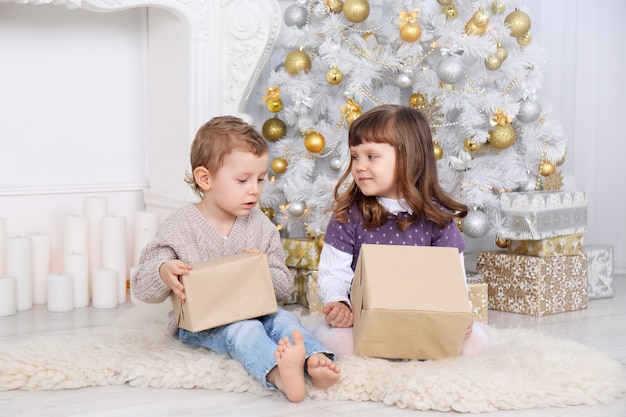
600	326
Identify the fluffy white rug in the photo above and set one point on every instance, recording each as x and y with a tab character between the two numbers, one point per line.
521	369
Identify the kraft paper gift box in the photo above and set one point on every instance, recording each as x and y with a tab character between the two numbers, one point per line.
551	246
302	252
409	302
532	285
225	290
600	270
542	214
477	292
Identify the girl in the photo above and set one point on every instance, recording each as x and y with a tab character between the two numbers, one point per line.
394	199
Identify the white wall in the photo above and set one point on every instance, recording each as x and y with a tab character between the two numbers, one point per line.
72	115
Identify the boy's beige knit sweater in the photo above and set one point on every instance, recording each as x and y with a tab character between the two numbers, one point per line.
186	235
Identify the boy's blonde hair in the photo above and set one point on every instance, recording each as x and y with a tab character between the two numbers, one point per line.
216	139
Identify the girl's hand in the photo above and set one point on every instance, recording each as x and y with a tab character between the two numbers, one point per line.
338	314
170	271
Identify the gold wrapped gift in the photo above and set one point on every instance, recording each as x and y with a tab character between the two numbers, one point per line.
478	295
533	285
313	297
302	252
552	246
299	293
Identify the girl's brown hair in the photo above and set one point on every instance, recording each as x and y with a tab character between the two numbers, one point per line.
216	139
408	131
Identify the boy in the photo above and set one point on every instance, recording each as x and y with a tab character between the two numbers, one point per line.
229	161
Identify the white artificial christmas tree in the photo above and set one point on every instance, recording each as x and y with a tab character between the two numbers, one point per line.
470	66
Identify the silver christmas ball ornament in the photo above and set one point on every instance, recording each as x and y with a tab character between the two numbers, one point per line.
475	224
295	15
335	163
296	208
450	69
529	111
403	80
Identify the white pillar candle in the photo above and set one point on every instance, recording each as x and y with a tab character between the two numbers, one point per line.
60	293
142	238
114	250
3	242
19	255
105	284
41	245
94	208
76	235
8	296
77	265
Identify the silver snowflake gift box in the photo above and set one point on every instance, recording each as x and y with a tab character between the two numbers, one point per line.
543	214
600	270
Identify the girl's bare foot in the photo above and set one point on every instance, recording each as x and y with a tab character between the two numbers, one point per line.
289	375
323	371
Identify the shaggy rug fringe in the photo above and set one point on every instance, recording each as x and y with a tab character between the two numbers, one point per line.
522	369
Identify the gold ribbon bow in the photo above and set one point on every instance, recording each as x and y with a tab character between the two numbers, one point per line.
271	94
406	17
500	118
349	106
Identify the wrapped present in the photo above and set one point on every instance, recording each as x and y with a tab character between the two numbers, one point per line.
477	292
533	285
542	214
313	297
600	270
550	246
299	293
302	252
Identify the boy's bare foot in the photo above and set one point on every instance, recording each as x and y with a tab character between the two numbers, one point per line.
290	358
323	371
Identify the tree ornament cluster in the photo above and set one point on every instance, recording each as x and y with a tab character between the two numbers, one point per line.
469	66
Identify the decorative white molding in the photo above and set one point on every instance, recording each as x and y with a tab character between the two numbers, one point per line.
74	189
229	43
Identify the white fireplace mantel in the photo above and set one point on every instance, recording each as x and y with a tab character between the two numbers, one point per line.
217	60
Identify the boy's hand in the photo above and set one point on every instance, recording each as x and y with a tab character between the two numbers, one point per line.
253	251
338	314
170	271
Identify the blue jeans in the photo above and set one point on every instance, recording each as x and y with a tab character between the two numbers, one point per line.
253	342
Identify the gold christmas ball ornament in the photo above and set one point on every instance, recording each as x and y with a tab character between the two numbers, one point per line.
334	76
546	168
314	142
334	6
492	62
275	105
268	211
279	165
438	150
472	28
502	136
417	101
518	23
273	129
297	61
356	11
444	2
501	52
481	17
525	40
498	7
410	32
450	11
502	243
471	145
